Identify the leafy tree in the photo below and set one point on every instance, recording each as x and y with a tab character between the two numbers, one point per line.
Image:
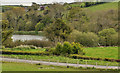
6	33
39	26
77	18
106	36
59	48
77	48
58	31
67	48
86	39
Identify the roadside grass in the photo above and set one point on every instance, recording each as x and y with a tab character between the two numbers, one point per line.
62	59
13	66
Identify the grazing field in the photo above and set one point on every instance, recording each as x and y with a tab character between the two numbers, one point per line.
102	7
12	66
102	52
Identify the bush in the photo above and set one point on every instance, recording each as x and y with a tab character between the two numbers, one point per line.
58	48
76	56
77	48
24	52
25	47
88	39
82	5
38	43
108	37
67	49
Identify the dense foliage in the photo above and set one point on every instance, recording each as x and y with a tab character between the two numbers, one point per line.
67	22
6	33
67	49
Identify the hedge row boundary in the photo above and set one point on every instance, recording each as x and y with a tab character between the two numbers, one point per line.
24	52
76	56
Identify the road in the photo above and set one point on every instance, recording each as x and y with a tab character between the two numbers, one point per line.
57	64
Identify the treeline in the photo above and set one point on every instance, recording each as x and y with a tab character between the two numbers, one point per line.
65	23
87	4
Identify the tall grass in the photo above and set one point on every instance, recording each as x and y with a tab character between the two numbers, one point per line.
37	43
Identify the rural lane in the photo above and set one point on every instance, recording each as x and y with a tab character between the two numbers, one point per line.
57	64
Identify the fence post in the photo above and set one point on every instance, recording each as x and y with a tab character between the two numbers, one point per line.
49	61
57	62
67	63
96	63
17	59
25	60
31	60
86	63
78	63
107	66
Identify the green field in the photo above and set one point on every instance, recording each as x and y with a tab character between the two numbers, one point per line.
12	66
102	52
103	7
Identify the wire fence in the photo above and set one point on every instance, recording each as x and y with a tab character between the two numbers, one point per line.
76	63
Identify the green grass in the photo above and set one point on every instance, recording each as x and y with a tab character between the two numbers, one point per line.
99	52
102	52
12	66
61	59
102	7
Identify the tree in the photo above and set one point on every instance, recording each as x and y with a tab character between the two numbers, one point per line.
58	31
77	18
6	33
89	39
106	36
39	26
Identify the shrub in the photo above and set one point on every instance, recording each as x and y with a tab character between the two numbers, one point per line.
82	5
77	48
58	49
38	43
24	52
88	39
67	49
25	47
108	37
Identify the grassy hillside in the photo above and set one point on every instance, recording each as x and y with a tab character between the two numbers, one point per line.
103	7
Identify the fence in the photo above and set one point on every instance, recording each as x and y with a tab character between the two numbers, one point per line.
76	63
